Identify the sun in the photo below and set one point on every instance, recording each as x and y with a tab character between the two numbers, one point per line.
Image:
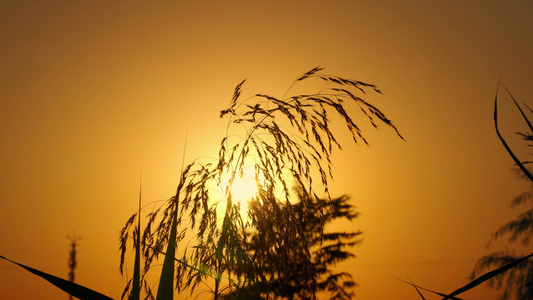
244	188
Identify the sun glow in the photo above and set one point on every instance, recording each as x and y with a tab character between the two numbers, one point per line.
244	187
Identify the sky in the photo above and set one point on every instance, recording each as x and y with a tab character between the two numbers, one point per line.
92	92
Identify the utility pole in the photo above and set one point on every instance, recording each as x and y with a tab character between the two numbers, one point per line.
72	257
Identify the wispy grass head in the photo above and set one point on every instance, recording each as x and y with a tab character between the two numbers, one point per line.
289	141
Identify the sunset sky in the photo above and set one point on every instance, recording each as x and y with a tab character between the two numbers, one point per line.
92	92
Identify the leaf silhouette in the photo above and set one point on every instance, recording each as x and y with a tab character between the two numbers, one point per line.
74	289
486	277
504	143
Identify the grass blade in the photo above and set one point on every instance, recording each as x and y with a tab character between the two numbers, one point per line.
136	283
520	109
166	282
422	288
71	288
504	143
486	277
416	288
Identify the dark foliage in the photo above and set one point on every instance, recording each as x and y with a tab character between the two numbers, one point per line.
286	267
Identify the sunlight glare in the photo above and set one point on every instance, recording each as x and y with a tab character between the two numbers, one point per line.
244	188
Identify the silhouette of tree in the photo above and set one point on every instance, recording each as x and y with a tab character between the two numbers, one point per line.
326	249
286	139
516	282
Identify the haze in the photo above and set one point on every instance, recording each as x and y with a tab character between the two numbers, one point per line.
91	92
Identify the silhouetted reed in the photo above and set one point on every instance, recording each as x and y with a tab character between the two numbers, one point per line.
518	280
287	140
512	273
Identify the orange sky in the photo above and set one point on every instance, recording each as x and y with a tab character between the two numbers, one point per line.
91	92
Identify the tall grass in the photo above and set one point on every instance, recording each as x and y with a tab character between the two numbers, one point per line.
524	224
518	281
289	141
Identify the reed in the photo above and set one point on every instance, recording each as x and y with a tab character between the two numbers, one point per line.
518	280
289	141
510	272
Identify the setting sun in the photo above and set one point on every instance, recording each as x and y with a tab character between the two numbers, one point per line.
244	188
226	109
